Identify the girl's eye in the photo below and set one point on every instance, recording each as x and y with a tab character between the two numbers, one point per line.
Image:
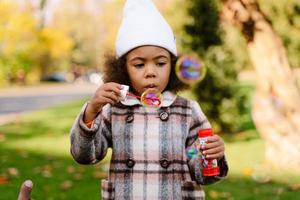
139	65
161	64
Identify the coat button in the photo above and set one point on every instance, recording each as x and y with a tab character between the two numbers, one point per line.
164	116
129	118
164	163
130	163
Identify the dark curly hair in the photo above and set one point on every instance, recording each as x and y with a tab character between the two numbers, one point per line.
115	71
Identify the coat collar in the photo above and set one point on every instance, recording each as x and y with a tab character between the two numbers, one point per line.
167	99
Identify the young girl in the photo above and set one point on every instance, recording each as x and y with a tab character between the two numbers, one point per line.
149	145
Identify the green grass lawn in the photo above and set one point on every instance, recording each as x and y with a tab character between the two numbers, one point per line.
37	147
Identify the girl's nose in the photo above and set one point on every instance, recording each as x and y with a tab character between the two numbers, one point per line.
150	71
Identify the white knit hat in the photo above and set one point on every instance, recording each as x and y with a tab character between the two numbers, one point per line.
142	24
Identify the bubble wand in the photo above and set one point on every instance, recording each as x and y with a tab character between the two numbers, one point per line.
151	97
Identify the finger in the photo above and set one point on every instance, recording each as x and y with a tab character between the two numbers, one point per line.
214	150
215	156
101	99
212	145
213	141
105	99
213	138
111	95
25	190
115	87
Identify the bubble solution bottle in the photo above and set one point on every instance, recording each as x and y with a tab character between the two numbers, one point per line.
209	166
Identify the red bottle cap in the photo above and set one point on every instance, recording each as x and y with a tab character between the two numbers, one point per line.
205	132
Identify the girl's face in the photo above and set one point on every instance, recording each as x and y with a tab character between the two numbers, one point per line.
148	67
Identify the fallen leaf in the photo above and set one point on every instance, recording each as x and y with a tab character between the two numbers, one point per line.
47	174
70	169
13	171
4	180
66	185
279	191
294	186
47	171
77	177
225	195
214	194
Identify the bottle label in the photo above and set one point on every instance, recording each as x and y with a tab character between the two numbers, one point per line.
209	166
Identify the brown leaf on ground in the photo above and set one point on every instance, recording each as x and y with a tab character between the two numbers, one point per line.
66	185
279	191
226	195
3	180
77	177
70	169
12	171
294	186
47	171
214	194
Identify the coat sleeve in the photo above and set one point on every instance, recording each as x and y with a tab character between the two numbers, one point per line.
198	122
89	145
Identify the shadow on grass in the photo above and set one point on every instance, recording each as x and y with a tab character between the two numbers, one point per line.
53	177
36	148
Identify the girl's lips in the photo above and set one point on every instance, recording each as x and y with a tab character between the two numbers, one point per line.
151	86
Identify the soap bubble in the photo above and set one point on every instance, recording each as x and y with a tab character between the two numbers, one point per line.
151	97
190	70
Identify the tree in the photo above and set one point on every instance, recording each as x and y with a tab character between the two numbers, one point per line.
54	45
218	94
17	42
285	19
276	110
28	47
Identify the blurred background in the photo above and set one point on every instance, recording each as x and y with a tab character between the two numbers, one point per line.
51	57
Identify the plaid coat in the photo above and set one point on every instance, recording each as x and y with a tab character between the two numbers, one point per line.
149	159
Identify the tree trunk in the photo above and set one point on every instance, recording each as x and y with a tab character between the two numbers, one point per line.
276	111
44	58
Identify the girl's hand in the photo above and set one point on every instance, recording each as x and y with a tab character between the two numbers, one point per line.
106	93
214	148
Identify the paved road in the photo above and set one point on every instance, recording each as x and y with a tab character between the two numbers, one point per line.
17	100
29	103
